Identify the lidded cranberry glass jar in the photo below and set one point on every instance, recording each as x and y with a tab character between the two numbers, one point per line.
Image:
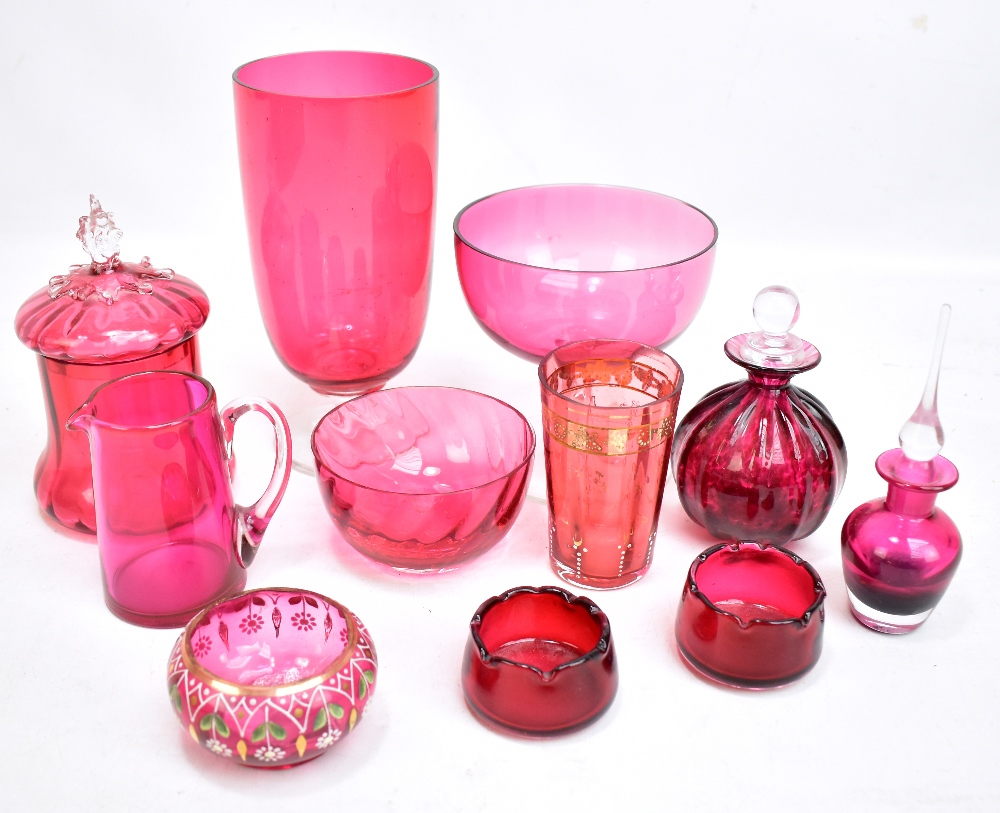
100	321
761	460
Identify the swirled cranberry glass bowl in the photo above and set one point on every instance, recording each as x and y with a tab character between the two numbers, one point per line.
423	478
542	266
272	678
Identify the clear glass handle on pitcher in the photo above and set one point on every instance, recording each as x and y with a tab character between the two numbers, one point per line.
252	520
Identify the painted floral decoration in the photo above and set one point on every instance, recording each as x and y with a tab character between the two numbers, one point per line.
273	709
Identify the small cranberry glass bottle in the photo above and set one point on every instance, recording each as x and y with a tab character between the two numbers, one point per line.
761	460
100	321
901	553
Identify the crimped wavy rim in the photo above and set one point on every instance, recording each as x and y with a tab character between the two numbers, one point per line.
802	619
599	649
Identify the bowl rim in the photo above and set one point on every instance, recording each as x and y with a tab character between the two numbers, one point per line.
525	461
212	680
459	236
802	620
674	393
435	74
599	649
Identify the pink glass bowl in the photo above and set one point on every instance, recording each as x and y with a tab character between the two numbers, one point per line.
272	678
542	266
539	661
423	478
751	616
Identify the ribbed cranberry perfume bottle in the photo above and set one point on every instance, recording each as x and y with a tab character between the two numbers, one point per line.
900	553
761	460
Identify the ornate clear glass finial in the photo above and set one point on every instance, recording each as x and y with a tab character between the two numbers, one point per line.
99	235
105	276
775	310
922	437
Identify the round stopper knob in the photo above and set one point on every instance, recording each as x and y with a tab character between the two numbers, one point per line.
776	310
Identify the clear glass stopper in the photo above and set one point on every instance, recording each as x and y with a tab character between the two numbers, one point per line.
99	235
922	437
105	276
775	310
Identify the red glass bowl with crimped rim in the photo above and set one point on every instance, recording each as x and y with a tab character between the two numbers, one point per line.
751	616
542	266
539	661
423	478
271	678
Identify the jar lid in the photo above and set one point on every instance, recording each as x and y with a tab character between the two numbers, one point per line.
773	347
110	310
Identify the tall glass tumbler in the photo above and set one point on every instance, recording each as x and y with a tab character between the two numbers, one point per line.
338	156
608	413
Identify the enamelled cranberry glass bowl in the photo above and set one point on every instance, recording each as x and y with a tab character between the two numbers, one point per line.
272	678
542	266
423	478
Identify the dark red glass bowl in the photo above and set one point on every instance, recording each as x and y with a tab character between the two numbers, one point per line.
539	661
751	616
423	478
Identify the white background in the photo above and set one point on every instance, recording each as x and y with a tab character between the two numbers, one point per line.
848	150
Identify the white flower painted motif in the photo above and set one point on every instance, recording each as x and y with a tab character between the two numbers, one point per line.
328	738
269	753
219	748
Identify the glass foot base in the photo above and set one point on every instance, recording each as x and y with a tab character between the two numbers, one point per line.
731	682
259	767
172	621
570	575
521	732
166	587
885	622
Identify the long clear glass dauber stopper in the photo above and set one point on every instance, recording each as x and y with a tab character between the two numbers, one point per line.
922	437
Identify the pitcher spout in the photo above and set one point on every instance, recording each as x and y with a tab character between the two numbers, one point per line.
82	418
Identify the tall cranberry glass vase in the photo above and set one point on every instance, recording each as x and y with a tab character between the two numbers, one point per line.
338	157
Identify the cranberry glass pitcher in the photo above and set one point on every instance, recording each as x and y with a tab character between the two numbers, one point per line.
170	537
